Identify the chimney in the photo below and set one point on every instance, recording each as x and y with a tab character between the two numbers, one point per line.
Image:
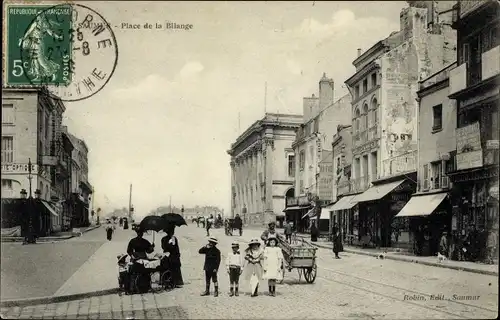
326	94
360	52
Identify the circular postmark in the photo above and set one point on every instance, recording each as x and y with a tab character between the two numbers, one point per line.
70	50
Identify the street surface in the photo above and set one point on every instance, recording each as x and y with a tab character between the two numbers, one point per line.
38	270
355	286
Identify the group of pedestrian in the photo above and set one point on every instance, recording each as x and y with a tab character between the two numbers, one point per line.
255	264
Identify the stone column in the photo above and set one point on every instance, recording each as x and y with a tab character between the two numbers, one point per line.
269	210
233	188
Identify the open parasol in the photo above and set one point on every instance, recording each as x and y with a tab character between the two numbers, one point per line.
153	223
173	219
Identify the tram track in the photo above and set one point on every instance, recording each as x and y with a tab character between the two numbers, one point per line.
446	306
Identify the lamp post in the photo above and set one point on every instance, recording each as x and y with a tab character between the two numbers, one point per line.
29	234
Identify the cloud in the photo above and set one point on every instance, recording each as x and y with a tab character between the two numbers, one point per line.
190	69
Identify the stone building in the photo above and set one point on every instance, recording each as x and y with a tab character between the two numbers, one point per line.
430	207
474	84
80	190
384	117
322	115
29	133
261	170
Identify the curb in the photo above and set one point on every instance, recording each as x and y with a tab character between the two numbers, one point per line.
47	239
55	299
413	260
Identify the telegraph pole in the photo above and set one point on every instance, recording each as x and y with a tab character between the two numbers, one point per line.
170	204
130	203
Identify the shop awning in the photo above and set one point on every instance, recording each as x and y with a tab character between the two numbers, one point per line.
325	212
309	213
344	203
51	210
378	191
292	208
422	205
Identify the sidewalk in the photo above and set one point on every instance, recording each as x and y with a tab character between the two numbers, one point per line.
61	236
488	269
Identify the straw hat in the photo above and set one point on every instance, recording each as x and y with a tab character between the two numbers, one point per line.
213	240
235	245
254	241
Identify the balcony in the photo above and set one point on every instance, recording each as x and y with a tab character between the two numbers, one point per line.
490	63
401	164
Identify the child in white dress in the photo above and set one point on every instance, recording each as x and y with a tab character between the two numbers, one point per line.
273	264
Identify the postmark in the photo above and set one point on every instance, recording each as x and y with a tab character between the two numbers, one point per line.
69	49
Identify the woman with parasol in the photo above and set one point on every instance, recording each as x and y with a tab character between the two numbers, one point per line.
253	265
170	245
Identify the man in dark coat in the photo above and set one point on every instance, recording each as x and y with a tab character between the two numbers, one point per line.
337	244
238	224
170	244
211	266
314	232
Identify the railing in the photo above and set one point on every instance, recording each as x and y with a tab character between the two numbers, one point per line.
401	164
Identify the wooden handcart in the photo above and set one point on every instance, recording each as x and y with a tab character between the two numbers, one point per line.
301	256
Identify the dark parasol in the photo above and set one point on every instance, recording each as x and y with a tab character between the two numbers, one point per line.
154	223
173	219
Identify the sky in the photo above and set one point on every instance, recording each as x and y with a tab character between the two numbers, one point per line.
170	111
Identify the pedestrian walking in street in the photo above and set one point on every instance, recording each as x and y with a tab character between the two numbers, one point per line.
109	231
273	264
211	266
209	224
314	232
198	221
238	224
253	265
234	263
288	231
170	245
337	244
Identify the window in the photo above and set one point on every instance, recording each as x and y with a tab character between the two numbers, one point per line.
316	125
356	121
494	40
8	115
436	168
7	149
356	92
425	183
374	80
47	125
6	184
301	186
437	117
302	159
365	117
365	85
311	154
291	165
374	107
464	57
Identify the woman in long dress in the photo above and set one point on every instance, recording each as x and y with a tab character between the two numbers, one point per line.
273	264
170	244
253	265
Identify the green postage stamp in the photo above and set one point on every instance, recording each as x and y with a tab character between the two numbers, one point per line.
37	46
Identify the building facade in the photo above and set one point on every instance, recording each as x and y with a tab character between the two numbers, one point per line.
28	134
261	168
80	190
427	214
384	118
474	84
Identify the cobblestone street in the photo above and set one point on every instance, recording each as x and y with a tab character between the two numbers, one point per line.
355	286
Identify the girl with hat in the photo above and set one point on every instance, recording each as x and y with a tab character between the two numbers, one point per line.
253	266
211	266
273	264
234	263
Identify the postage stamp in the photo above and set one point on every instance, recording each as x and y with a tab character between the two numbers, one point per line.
69	49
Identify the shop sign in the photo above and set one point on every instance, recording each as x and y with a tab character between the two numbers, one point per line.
468	138
366	147
303	201
19	168
492	144
469	160
292	202
494	192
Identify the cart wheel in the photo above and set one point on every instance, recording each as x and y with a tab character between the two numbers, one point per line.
310	273
166	281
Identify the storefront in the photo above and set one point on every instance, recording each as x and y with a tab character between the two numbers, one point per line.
344	218
427	215
378	206
79	212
